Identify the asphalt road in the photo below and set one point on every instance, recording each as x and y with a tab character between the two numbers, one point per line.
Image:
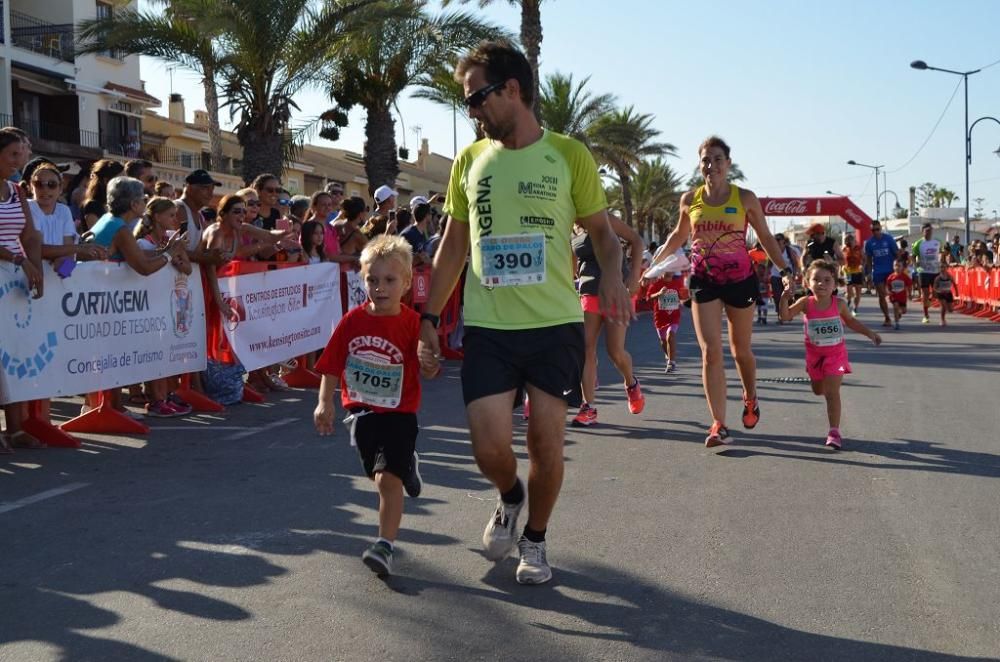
238	537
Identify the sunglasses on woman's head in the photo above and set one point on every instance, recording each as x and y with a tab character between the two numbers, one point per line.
477	98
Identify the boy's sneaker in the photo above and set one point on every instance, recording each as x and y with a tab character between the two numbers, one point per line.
533	567
751	413
378	557
718	435
499	538
413	483
834	440
925	320
671	367
586	417
636	401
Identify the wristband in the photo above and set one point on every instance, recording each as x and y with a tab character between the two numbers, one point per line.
435	320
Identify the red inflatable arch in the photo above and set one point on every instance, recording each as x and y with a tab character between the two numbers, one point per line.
828	206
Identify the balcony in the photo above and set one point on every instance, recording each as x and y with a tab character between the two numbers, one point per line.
56	138
126	148
30	33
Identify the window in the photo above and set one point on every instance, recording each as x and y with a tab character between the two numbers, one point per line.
105	11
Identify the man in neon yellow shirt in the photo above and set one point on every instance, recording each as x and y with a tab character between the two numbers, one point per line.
513	199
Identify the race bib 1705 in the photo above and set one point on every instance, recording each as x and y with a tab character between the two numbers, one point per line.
513	260
373	383
826	331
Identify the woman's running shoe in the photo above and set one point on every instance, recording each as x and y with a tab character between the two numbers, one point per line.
718	435
586	417
636	400
751	412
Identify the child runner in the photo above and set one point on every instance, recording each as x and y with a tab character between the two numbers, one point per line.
764	293
373	354
898	284
666	294
942	290
825	316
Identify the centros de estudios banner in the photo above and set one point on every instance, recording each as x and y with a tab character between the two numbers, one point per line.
282	313
103	327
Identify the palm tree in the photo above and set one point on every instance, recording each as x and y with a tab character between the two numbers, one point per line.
373	68
568	108
621	140
174	36
943	197
531	36
656	192
263	52
440	86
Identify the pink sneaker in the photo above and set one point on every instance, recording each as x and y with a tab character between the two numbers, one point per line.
833	439
636	400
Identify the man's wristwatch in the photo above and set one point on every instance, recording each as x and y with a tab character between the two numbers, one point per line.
435	320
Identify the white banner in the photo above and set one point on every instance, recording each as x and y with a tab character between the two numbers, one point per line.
283	313
104	326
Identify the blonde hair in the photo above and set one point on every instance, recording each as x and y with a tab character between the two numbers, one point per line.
388	247
146	224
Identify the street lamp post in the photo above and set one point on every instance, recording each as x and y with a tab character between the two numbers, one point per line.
893	195
876	168
922	66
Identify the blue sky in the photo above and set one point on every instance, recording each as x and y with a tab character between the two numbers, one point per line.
796	88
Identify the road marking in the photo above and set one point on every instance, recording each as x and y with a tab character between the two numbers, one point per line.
206	428
41	496
252	432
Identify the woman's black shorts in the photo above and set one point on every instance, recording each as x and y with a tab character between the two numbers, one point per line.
741	294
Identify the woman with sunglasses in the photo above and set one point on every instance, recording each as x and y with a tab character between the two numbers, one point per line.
715	216
223	376
54	220
268	188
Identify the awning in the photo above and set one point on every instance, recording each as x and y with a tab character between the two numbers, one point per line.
141	96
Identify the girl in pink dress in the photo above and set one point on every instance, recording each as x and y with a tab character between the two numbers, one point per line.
825	316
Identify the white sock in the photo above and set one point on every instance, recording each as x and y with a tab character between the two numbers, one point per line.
387	542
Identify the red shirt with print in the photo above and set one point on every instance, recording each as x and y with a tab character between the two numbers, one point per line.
375	358
673	295
898	286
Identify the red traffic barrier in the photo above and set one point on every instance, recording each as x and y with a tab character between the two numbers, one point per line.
198	401
301	376
38	425
105	419
251	394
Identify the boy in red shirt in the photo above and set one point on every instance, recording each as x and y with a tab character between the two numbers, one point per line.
898	286
666	294
372	355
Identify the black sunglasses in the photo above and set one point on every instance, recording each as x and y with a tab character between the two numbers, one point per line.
49	184
477	98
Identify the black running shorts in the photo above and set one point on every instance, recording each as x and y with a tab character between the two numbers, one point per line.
549	358
385	441
927	280
741	294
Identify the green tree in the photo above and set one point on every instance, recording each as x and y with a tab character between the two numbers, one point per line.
567	107
925	194
622	140
371	69
172	36
978	215
439	86
264	53
531	36
656	192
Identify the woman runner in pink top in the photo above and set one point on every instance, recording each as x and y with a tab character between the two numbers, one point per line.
825	317
716	216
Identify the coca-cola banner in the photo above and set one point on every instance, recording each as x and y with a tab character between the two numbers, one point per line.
829	206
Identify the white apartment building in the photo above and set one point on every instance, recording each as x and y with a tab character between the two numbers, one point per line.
75	108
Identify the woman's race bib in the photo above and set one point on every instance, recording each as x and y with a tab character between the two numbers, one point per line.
373	383
826	331
669	301
517	259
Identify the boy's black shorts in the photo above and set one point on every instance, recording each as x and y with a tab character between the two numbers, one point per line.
549	358
385	441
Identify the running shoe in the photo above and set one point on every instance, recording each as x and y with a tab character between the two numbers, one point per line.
896	326
925	320
834	440
671	366
378	558
499	538
751	413
413	483
586	417
718	435
162	409
533	567
179	402
636	401
887	323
